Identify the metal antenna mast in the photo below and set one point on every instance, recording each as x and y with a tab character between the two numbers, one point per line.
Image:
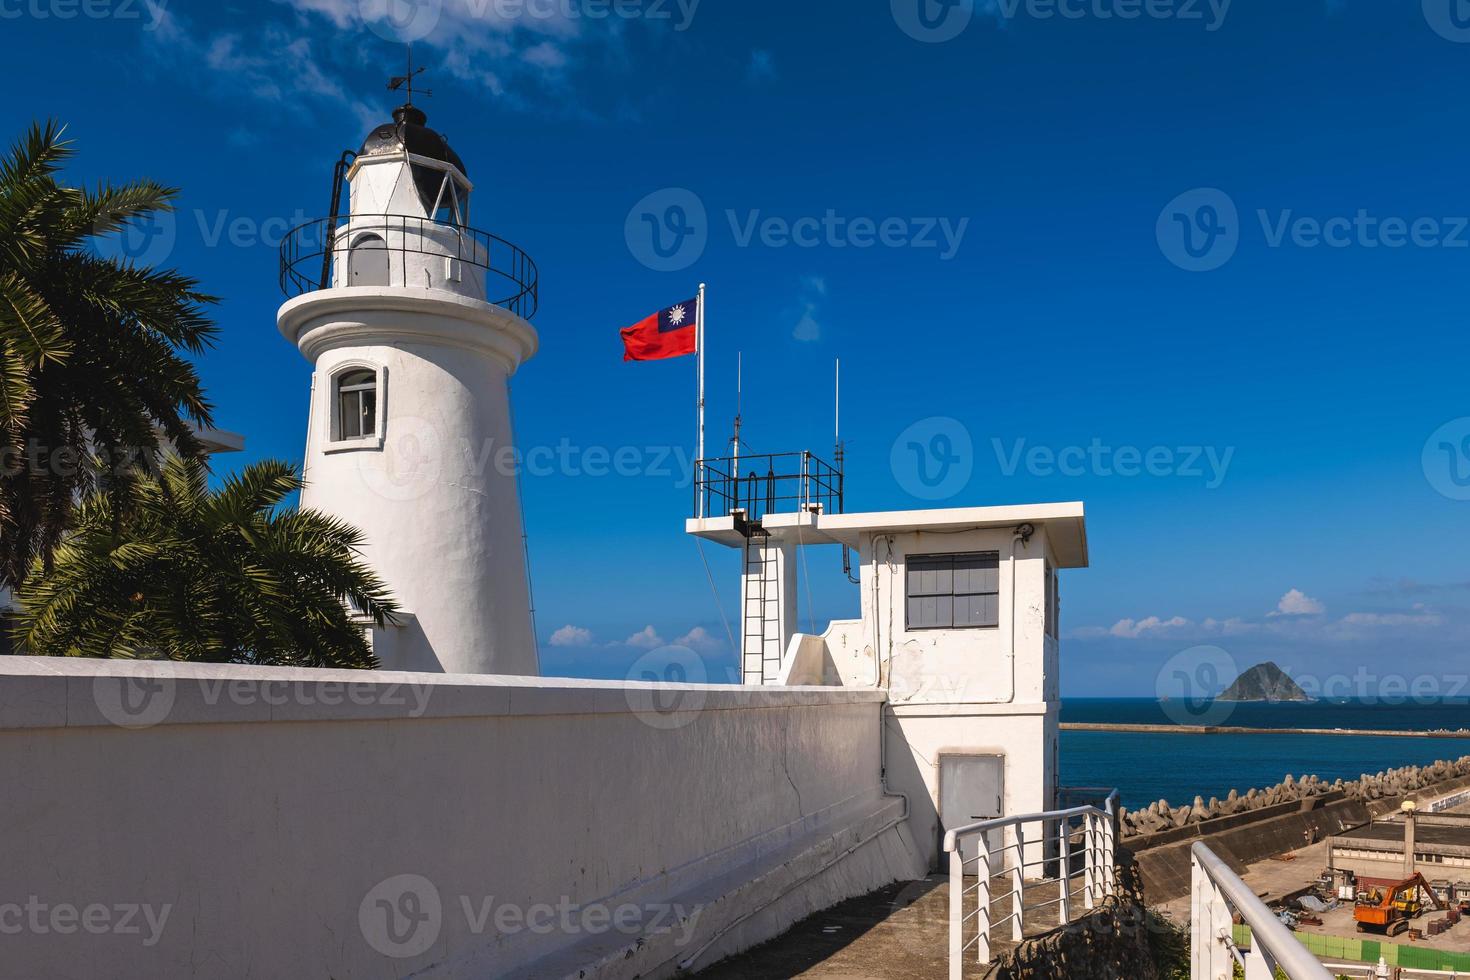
739	389
405	82
837	410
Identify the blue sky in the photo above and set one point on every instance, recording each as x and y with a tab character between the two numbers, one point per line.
1227	241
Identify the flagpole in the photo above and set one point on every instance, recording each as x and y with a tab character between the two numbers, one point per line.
699	372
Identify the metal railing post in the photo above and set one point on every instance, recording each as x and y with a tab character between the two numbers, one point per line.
1256	967
1091	851
982	902
1199	929
957	915
1095	842
1064	857
1018	886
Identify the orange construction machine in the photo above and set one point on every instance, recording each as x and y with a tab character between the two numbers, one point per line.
1390	910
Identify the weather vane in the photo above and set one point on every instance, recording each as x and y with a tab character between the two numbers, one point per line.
398	82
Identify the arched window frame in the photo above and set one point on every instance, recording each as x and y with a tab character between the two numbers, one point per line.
332	415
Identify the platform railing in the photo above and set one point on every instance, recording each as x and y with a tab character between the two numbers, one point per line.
1014	870
1217	895
766	483
314	256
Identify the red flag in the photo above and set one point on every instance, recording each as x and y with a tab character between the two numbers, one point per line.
668	333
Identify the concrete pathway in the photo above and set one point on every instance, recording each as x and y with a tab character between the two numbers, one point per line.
899	933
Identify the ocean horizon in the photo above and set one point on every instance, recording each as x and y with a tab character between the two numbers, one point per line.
1145	767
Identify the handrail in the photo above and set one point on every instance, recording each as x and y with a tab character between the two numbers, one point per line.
996	823
310	251
1064	852
1215	883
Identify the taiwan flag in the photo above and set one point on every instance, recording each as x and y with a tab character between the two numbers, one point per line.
668	333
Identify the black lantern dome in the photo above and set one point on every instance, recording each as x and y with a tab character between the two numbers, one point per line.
408	132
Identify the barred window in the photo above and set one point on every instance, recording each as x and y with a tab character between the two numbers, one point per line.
954	591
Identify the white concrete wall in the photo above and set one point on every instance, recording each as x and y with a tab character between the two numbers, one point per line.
968	691
1006	664
837	658
952	692
420	253
920	735
265	822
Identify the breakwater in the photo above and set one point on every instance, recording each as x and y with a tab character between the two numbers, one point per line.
1067	726
1161	816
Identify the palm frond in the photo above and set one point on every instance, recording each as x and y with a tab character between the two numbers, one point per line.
209	575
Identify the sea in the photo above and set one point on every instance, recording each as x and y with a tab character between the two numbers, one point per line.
1177	767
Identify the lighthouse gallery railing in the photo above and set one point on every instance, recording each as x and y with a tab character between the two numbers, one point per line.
313	253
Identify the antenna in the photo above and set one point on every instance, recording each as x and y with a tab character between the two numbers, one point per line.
837	408
406	81
739	392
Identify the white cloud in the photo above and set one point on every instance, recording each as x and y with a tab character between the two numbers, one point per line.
808	328
701	640
1234	626
1419	617
305	52
1134	629
645	639
520	52
1128	629
1298	603
272	64
571	636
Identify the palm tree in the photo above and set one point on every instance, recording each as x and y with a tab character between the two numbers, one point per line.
92	376
226	576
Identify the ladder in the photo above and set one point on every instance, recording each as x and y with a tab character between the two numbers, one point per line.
760	656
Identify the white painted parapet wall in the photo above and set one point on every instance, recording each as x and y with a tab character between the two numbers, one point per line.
267	822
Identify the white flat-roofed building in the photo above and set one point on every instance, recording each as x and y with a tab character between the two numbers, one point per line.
960	626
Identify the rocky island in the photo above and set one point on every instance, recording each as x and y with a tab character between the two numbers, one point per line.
1264	682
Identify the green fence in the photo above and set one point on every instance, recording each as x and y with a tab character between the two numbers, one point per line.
1371	950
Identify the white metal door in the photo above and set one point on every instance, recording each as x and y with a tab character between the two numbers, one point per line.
971	788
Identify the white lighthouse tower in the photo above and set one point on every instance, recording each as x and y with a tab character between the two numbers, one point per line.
415	322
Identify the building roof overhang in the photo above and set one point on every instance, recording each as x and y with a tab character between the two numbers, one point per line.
1065	524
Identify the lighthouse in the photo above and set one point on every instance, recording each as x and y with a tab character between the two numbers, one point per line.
415	321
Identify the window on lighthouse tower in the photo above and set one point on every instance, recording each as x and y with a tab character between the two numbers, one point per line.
357	404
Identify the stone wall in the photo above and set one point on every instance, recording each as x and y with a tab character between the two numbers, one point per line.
1281	819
